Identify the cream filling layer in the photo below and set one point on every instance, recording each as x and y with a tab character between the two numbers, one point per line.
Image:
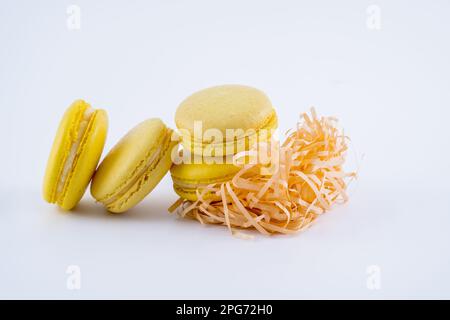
68	164
187	186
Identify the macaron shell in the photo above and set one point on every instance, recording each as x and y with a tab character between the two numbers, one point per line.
225	107
89	154
145	184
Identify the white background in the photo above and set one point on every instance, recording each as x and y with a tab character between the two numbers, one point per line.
139	59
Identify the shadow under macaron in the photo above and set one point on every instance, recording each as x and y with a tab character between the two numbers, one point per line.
152	210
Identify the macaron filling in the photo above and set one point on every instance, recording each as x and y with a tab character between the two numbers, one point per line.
70	159
184	185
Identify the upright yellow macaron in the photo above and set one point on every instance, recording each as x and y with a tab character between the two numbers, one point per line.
223	120
134	166
188	179
74	156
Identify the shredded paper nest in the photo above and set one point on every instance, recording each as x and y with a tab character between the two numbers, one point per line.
302	180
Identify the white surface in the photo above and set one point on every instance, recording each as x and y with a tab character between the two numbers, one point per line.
390	89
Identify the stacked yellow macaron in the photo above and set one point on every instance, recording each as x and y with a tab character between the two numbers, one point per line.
215	124
224	120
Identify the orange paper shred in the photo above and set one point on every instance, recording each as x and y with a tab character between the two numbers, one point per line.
303	179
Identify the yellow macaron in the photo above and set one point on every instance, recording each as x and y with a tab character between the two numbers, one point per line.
134	166
188	178
224	120
74	156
